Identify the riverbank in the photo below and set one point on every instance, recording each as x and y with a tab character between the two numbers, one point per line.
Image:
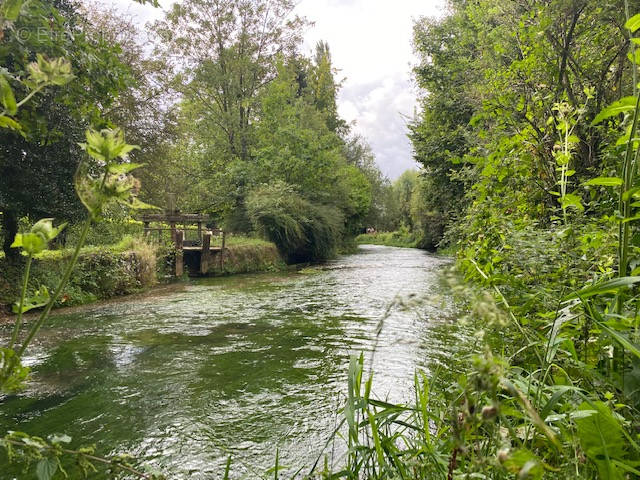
402	239
101	272
249	257
133	266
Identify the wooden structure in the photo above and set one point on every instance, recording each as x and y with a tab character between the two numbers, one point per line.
175	220
198	254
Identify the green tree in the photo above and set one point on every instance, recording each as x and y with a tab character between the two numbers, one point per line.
221	55
440	135
295	145
383	213
493	74
403	188
324	88
38	161
225	54
145	108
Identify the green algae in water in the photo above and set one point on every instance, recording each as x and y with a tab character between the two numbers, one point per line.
240	365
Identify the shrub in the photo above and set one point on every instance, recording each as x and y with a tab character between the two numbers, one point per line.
302	230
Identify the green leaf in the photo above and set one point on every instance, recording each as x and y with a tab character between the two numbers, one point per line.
524	463
605	181
39	299
560	390
633	23
602	439
31	243
56	71
6	122
136	204
621	339
46	228
10	9
623	105
609	286
6	96
91	195
106	145
12	373
37	239
634	56
629	193
571	200
46	468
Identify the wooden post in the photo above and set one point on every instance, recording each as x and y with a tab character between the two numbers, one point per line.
199	231
146	229
173	232
222	251
206	253
179	253
171	203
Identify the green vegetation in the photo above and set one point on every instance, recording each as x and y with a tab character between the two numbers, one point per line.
257	122
400	238
408	215
250	256
527	142
101	272
528	145
300	229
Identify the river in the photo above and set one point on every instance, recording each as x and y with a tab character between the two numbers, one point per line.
236	366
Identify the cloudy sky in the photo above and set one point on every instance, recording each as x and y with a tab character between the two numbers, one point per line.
370	42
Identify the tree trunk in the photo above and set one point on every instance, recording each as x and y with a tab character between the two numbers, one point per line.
9	230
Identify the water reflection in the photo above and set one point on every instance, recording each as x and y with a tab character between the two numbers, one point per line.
240	365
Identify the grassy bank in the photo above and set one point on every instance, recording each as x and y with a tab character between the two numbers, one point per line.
247	255
102	272
127	267
390	239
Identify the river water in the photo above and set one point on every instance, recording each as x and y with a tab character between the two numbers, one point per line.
239	366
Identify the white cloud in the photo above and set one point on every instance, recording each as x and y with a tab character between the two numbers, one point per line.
370	42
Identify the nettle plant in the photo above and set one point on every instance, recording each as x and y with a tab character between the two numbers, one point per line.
104	178
566	119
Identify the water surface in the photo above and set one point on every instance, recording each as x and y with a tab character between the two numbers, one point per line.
241	365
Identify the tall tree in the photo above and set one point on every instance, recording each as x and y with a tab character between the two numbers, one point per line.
493	75
223	53
324	88
145	108
38	163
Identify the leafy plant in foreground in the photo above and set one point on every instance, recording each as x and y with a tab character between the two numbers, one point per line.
104	181
556	391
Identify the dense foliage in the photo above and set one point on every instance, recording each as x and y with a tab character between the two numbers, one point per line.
527	143
253	111
40	155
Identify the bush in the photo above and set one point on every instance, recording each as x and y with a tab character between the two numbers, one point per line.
110	231
302	231
101	272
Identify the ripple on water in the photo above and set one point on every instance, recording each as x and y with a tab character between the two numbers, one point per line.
240	365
